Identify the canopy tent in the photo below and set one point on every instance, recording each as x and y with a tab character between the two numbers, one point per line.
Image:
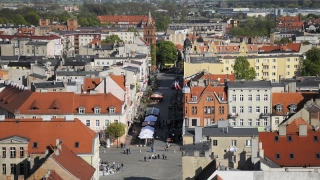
148	123
145	136
150	118
148	127
157	95
146	132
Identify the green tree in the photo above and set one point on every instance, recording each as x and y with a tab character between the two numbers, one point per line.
19	20
112	39
311	65
116	130
166	52
32	18
242	69
153	54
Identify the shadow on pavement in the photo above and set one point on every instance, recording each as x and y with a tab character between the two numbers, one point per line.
137	178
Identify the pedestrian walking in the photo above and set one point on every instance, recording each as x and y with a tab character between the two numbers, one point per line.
124	151
162	156
145	158
124	145
158	156
129	151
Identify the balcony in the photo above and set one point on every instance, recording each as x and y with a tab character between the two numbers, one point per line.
265	63
265	115
265	70
233	115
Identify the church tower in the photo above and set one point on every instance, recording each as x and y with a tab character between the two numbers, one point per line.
149	33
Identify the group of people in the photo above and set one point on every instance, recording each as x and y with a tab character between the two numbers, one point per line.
155	156
111	168
127	151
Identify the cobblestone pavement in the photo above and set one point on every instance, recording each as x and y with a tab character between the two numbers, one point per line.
134	165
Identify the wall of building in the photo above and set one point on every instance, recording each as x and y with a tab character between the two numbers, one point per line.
213	68
19	76
192	166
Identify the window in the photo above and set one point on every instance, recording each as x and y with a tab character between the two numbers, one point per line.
97	110
4	152
194	122
4	169
215	142
279	108
291	156
106	122
257	60
194	98
257	74
76	144
97	123
289	138
248	143
265	122
12	152
288	59
81	110
293	107
265	67
249	109
257	122
288	73
288	66
276	138
112	110
35	145
241	97
241	109
221	109
54	117
315	138
276	120
257	67
241	122
273	74
212	109
234	109
87	122
258	97
233	142
277	155
21	152
295	59
273	60
115	121
209	99
186	109
34	117
234	97
233	122
265	97
295	66
194	110
249	97
249	122
257	109
13	168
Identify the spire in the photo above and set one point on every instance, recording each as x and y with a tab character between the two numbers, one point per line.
149	18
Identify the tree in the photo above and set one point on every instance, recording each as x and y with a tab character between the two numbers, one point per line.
153	55
242	69
311	65
19	20
166	52
112	39
116	130
32	18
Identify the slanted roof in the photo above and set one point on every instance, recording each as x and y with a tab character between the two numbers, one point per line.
229	132
250	84
293	127
90	83
119	79
73	163
45	134
12	98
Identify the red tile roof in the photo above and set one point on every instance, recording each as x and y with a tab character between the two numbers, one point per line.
12	98
119	79
291	46
293	127
286	99
45	134
304	149
196	91
235	48
118	19
220	77
90	83
54	176
74	164
219	90
51	37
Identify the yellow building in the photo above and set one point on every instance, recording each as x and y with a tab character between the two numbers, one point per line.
198	64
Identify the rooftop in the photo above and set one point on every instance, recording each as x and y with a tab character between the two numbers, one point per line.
249	84
48	84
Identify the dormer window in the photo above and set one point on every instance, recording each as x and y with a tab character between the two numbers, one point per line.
293	107
81	110
112	110
97	110
279	107
194	98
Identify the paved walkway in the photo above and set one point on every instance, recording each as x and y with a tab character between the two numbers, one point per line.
134	165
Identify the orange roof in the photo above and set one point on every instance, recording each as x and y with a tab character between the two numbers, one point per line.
12	98
303	148
119	79
72	163
196	91
293	127
179	47
286	99
219	90
45	133
118	19
220	77
290	19
95	41
291	46
90	83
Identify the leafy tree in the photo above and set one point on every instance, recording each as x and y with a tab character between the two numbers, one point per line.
116	130
166	52
162	23
32	18
284	40
153	55
112	39
242	69
19	20
311	65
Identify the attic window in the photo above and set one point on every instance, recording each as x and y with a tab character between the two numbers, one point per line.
112	110
291	156
279	107
97	110
81	110
289	138
276	138
293	107
76	144
34	108
277	155
194	98
35	144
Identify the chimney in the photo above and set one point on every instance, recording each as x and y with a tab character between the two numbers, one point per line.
303	130
282	130
57	142
54	82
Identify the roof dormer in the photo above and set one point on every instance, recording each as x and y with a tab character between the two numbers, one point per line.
34	106
97	110
55	105
293	107
112	110
81	110
279	107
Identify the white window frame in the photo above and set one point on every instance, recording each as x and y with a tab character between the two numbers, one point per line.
248	143
88	121
97	123
249	122
97	110
234	97
257	109
241	122
250	97
258	97
241	110
257	122
234	143
112	110
12	152
265	122
233	122
265	97
81	110
241	97
277	120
